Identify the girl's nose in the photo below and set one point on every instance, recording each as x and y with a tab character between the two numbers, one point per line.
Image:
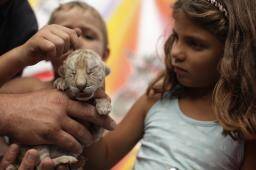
178	52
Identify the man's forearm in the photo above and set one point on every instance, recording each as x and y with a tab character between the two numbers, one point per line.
4	104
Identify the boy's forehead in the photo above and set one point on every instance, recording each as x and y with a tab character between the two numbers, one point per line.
85	19
78	15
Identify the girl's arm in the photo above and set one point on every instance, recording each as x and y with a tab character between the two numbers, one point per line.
114	145
250	156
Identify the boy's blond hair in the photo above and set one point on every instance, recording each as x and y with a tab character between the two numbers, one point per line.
85	7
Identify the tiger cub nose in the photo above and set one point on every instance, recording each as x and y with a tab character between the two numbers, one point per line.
81	84
80	87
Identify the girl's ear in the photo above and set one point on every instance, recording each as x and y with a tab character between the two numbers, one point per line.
106	55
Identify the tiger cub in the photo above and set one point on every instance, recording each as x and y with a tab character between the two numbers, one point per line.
80	76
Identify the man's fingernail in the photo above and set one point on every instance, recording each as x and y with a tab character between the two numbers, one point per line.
31	156
14	148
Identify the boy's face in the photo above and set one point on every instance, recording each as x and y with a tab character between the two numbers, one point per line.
92	35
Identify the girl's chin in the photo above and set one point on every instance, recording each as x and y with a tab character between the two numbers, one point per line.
195	85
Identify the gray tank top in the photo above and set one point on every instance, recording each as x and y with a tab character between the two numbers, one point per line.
171	139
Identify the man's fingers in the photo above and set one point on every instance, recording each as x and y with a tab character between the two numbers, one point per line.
78	31
77	130
30	160
48	49
86	112
62	167
58	42
47	164
104	121
74	36
67	142
9	156
79	111
65	37
100	93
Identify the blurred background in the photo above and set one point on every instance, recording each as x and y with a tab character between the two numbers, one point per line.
137	30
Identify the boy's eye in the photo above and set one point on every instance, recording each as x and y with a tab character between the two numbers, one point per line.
89	36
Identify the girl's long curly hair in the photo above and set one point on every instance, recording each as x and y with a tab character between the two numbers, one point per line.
201	13
235	92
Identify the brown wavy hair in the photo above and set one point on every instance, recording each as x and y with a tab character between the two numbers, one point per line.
235	92
201	13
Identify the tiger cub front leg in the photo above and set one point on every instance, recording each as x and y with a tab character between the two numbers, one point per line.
103	106
60	84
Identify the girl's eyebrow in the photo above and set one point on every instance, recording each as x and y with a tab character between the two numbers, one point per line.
194	37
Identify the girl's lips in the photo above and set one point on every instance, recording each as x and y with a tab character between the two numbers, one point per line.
179	71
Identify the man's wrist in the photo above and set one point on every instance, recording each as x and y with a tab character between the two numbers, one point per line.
3	120
22	56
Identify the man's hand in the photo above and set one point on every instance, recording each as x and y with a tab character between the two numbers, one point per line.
48	117
29	161
50	43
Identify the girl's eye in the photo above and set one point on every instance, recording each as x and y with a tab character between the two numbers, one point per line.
195	45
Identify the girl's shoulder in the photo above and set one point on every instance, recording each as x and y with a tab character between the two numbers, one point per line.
145	102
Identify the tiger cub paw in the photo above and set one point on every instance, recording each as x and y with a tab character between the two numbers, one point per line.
103	106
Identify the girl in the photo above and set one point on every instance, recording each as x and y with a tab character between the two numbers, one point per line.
175	119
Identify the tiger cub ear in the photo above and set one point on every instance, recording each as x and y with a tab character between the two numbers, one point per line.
61	71
107	70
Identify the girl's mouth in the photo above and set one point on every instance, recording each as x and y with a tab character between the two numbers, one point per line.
179	71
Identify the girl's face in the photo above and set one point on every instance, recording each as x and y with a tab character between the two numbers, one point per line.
195	53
